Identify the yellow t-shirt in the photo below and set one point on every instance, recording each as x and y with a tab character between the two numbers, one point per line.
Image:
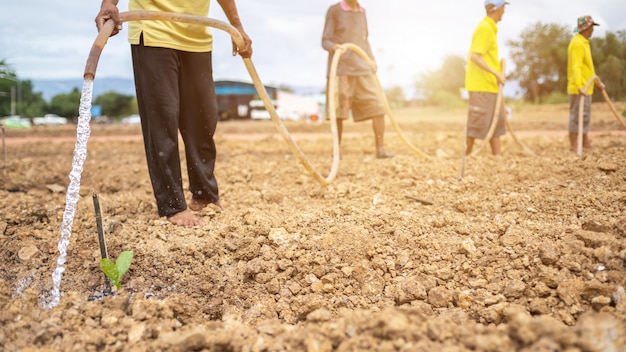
173	35
484	42
579	65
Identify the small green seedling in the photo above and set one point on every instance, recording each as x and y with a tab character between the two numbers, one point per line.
115	271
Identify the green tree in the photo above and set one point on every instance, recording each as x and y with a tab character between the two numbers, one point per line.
540	59
286	88
27	102
445	82
66	104
8	80
32	103
116	105
609	58
611	73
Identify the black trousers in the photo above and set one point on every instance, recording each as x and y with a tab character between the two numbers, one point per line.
175	92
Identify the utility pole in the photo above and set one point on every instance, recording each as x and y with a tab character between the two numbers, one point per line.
12	100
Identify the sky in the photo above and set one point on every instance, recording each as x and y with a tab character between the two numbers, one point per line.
52	39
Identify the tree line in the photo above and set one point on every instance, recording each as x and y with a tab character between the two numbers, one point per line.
18	96
539	65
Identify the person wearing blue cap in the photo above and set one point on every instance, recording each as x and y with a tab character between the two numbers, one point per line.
579	70
483	79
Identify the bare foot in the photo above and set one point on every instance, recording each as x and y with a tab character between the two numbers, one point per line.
199	204
383	155
186	218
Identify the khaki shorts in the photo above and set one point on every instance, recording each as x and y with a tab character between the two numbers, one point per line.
359	95
480	115
574	110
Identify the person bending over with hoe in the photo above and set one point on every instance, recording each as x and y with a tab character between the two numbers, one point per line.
484	78
172	66
579	71
357	89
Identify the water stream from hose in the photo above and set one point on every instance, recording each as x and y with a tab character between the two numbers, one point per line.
83	131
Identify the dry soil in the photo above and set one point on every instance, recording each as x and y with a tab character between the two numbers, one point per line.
524	253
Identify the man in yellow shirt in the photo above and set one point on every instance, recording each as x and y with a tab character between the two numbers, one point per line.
579	71
172	65
483	78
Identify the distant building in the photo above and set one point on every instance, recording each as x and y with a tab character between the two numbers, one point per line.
233	98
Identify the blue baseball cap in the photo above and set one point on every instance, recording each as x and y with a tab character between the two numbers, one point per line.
495	4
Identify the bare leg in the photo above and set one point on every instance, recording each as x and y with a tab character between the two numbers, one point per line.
339	129
573	141
469	145
586	142
186	218
378	124
495	145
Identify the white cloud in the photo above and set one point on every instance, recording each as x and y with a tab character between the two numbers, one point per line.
44	39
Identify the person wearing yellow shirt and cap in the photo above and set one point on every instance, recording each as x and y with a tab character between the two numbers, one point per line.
579	70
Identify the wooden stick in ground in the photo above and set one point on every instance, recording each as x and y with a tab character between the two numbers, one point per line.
516	140
496	115
419	200
496	112
101	241
581	108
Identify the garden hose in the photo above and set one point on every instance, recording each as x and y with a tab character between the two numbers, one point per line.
494	122
332	76
492	127
612	107
579	146
496	113
516	140
107	29
581	108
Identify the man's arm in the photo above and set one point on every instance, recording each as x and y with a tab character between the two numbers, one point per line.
328	42
479	60
109	11
230	9
576	56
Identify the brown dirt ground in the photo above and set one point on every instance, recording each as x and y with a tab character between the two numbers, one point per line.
525	253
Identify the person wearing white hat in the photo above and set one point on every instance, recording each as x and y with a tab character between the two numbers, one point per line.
579	70
483	79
